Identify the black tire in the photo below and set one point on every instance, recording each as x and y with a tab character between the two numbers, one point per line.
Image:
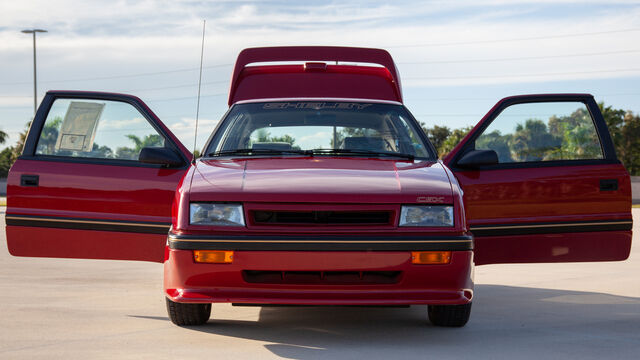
449	315
188	314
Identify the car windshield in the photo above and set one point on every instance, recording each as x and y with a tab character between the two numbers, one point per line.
320	128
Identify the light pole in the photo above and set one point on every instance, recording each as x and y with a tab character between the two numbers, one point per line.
35	88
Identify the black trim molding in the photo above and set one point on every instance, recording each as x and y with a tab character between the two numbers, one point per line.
87	224
321	243
551	227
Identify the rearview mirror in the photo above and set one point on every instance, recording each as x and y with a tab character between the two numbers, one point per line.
477	158
160	156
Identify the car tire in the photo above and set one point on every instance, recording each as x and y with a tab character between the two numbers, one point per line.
183	314
449	315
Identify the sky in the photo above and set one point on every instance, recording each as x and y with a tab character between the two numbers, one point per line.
456	58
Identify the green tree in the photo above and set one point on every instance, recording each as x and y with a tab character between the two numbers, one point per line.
6	160
263	135
3	137
615	119
531	141
456	136
497	142
151	140
22	137
437	135
104	151
49	136
576	135
629	149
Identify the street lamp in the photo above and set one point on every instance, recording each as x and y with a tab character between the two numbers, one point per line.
35	89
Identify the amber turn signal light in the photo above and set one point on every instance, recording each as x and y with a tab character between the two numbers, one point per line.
430	257
213	256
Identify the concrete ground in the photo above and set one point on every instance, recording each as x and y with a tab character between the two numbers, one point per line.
85	309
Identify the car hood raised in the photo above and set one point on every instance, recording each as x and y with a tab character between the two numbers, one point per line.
320	180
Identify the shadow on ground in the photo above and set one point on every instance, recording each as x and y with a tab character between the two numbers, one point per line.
505	322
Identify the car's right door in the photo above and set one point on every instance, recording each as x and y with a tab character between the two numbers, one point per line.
82	187
555	193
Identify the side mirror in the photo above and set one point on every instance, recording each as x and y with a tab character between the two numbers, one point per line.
477	158
161	156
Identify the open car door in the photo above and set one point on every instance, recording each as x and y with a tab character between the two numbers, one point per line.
542	183
96	180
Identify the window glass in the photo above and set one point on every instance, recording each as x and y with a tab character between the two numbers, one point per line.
320	126
543	131
96	129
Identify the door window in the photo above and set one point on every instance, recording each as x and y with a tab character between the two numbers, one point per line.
100	129
542	131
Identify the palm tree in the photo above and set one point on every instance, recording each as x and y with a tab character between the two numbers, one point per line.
152	140
3	136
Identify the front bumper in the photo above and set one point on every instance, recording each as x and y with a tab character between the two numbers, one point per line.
321	243
190	282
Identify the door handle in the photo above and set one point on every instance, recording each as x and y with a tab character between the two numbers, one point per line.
608	184
29	180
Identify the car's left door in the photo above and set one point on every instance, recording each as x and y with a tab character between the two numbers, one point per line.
79	189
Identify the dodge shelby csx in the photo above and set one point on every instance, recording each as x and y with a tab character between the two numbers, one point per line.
318	187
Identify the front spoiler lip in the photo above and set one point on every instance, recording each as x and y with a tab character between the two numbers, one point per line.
322	298
321	243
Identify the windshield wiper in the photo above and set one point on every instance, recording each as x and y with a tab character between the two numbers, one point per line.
363	152
259	152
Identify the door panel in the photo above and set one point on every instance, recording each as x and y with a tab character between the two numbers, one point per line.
92	198
545	200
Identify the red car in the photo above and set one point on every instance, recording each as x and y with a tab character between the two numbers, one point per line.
318	187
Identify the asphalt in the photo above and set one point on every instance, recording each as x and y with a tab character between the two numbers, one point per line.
86	309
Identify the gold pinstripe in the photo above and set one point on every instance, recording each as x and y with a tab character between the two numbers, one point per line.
549	225
98	222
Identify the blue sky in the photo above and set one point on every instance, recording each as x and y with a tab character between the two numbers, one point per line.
456	58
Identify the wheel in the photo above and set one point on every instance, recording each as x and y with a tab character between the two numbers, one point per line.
449	315
188	314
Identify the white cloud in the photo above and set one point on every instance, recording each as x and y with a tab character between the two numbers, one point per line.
16	100
121	124
184	129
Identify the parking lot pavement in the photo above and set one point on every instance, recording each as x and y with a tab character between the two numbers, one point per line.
79	309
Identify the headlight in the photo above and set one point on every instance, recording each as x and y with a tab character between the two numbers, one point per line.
216	214
420	215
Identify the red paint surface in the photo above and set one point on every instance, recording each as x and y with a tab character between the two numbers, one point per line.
550	248
93	191
352	180
187	281
313	183
547	195
566	193
337	81
84	244
317	86
90	191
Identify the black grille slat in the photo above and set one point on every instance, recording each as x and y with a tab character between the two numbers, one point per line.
267	217
321	277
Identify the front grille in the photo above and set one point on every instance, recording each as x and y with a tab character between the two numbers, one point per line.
268	217
321	277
